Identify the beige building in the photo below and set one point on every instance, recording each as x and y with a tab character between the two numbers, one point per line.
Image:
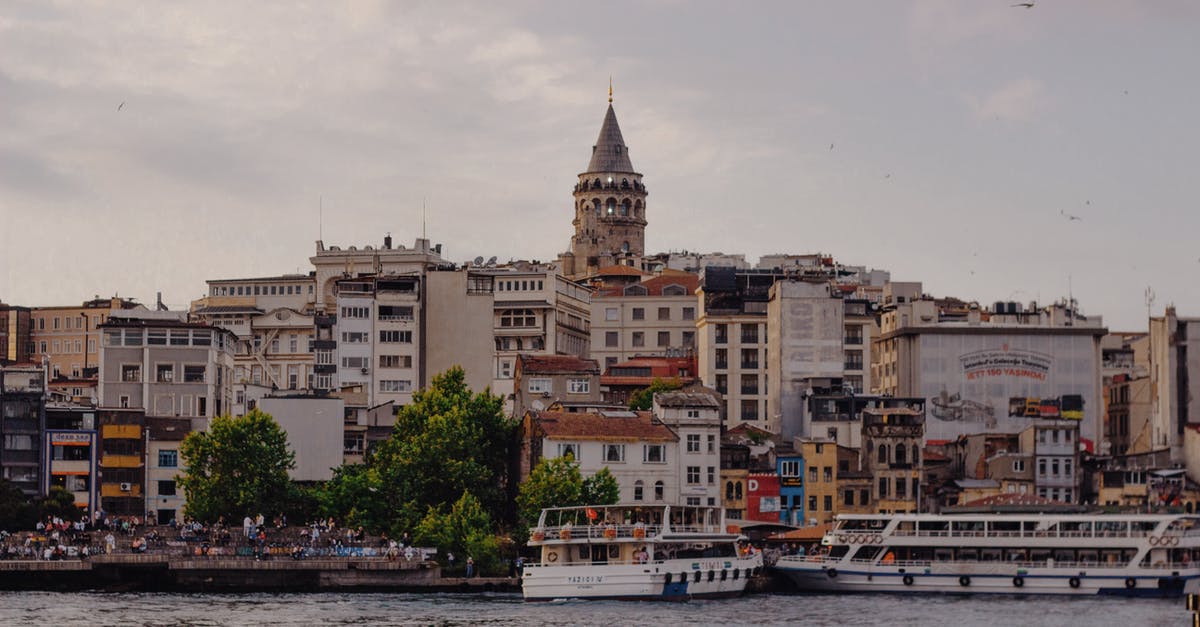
165	499
1174	380
334	263
166	368
537	312
1125	368
892	441
67	338
654	316
821	488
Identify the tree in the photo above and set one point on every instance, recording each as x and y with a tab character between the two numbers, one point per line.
601	489
353	496
239	467
466	530
557	482
446	441
59	503
643	399
16	511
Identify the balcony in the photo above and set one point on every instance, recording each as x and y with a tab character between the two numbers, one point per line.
855	340
853	365
749	364
749	389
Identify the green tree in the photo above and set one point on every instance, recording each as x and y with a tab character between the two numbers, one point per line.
447	441
353	495
466	530
601	489
557	482
643	399
239	467
16	511
59	503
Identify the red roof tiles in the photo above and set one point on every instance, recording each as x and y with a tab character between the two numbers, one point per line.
617	426
555	364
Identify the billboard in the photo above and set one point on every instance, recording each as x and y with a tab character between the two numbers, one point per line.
1003	383
762	497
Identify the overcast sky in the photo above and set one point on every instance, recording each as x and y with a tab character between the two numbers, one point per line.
964	135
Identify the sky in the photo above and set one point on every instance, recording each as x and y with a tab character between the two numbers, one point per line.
148	147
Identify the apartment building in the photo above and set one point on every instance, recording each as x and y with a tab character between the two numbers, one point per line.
891	453
22	422
821	491
71	453
695	417
1055	451
165	499
16	335
655	316
1174	380
542	380
166	367
996	370
641	452
1125	372
537	312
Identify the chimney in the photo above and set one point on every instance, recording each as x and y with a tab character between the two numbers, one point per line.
387	242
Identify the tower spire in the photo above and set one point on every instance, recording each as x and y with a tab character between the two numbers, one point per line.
610	89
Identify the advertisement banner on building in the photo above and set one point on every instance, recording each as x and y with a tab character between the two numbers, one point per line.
1004	383
762	497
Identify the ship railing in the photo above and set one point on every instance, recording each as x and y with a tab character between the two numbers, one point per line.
1042	533
653	562
605	532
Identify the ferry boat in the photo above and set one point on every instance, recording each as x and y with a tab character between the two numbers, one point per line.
1130	555
637	552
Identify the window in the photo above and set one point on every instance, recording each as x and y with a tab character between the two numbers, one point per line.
541	385
193	374
688	339
165	373
611	339
812	474
352	444
664	313
569	449
882	454
579	386
658	490
789	468
1067	466
689	313
664	338
356	312
612	313
749	410
518	318
712	443
864	497
829	502
352	337
749	384
168	458
722	358
693	442
395	361
721	334
395	337
638	490
812	503
655	454
693	475
639	313
750	358
131	373
749	334
1018	465
614	453
901	489
1054	467
883	487
712	475
395	385
639	338
848	497
1041	468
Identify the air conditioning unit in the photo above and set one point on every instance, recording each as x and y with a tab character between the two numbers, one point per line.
126	487
545	395
366	370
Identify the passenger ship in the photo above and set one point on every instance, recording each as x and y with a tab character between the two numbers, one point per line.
1131	555
637	552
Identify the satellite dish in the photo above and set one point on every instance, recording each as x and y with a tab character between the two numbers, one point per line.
538	405
492	261
478	261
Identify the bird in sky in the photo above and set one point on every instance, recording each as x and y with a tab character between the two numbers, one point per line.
887	176
1069	217
120	105
831	146
1027	5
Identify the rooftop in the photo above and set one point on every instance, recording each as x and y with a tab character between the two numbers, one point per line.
557	364
686	399
609	426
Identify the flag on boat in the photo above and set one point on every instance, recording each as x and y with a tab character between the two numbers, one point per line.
591	514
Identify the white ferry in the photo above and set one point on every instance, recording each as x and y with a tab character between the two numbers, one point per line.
637	552
1131	555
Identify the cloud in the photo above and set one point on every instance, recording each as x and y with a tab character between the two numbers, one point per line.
1019	100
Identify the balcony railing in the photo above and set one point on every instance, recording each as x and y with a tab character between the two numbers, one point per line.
853	365
722	364
853	339
749	389
750	365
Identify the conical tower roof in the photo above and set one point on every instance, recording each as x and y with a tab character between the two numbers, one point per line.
610	154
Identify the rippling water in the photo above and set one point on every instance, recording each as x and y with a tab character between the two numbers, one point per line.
49	608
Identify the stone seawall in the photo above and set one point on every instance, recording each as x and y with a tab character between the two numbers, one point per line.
161	573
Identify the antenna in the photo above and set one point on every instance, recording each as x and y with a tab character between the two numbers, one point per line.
320	217
423	218
1149	301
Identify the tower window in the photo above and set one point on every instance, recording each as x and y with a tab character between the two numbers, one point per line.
611	206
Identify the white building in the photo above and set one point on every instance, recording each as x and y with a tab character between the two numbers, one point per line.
695	417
